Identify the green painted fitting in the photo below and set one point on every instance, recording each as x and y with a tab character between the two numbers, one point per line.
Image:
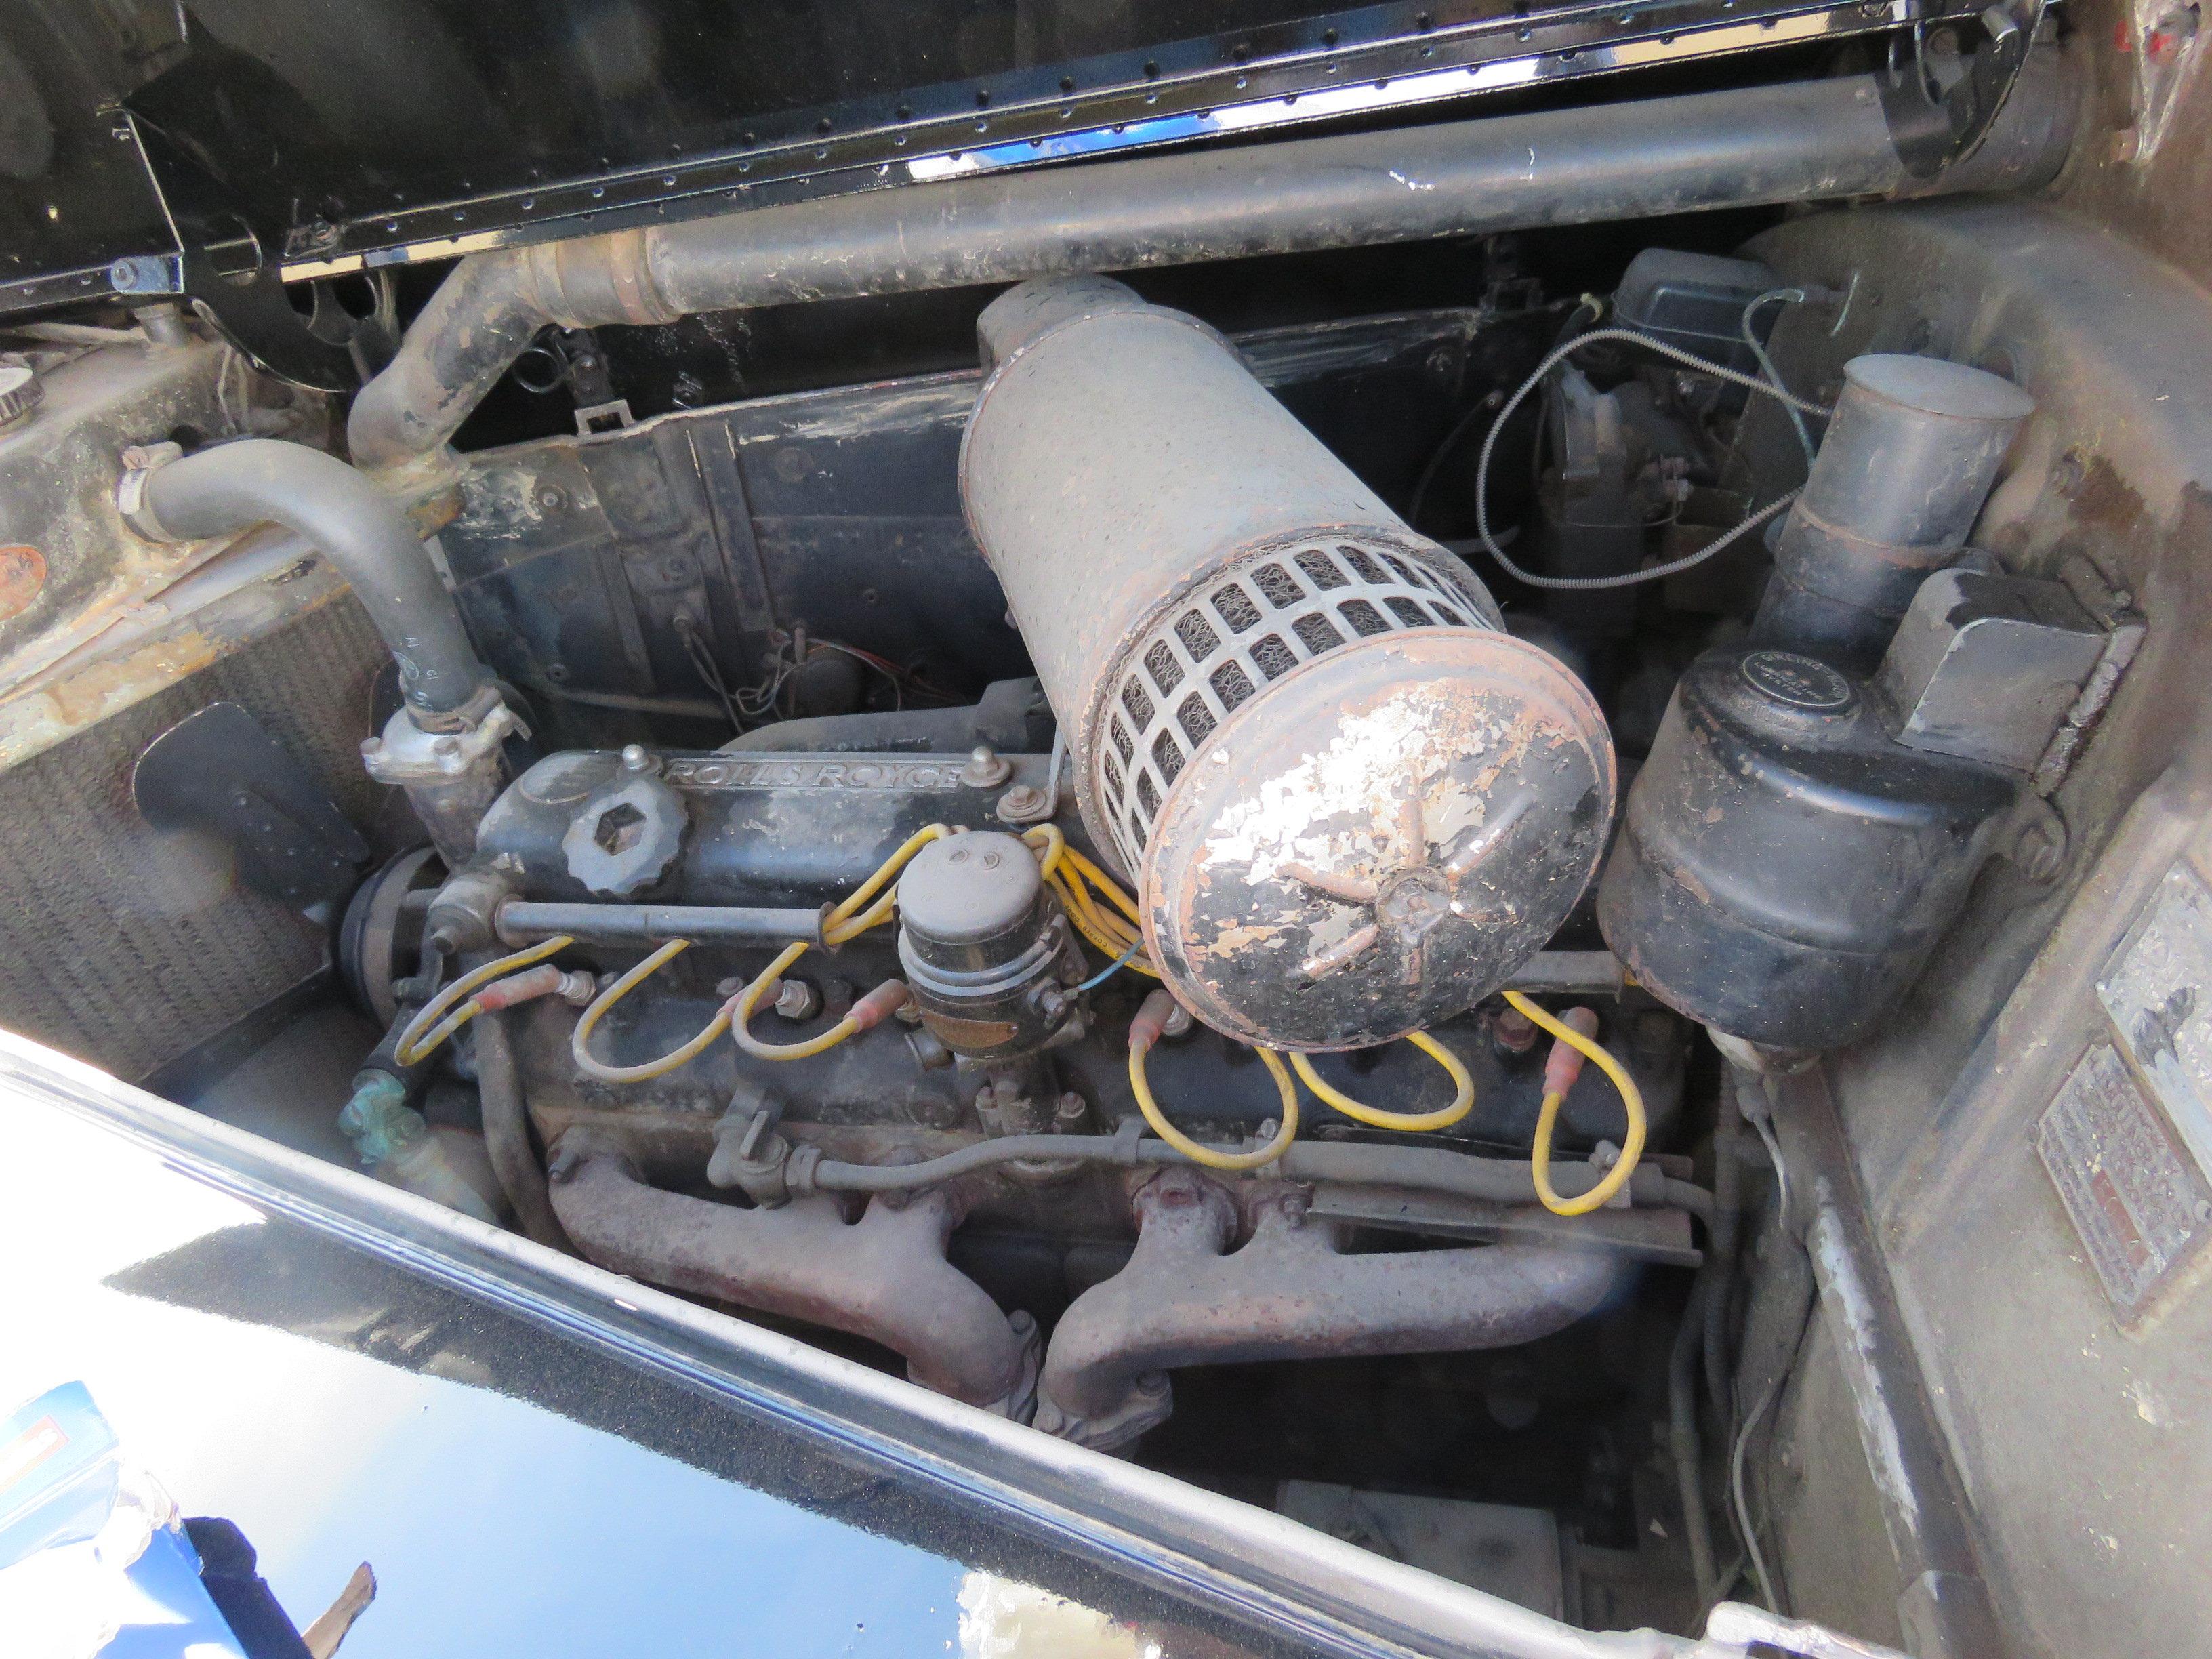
377	1119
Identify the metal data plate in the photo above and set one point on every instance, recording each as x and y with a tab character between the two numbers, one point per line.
2141	1206
2128	1139
2157	989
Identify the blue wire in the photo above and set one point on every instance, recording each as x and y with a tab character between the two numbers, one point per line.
1111	967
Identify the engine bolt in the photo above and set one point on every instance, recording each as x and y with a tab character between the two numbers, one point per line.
1513	1031
985	769
796	999
932	1109
1024	804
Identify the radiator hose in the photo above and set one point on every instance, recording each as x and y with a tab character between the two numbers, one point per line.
352	523
443	747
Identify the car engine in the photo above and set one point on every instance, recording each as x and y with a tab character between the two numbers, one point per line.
1223	801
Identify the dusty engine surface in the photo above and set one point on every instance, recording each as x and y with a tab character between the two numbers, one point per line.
852	1018
748	839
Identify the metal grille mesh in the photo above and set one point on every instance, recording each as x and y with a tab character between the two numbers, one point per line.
1229	639
127	947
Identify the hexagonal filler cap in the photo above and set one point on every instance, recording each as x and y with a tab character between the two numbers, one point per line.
1380	840
625	836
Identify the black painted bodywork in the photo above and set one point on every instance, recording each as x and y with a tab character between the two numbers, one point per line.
280	140
529	1466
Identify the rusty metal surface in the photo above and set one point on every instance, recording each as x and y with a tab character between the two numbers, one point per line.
1290	1293
156	650
22	578
883	1276
1381	841
57	475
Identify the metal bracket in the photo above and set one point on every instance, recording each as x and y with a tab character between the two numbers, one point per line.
1940	104
219	772
232	283
595	419
258	318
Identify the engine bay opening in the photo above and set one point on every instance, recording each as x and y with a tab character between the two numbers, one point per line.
1230	818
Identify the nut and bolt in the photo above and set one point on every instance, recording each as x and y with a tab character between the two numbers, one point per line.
1023	804
447	748
637	758
1513	1031
932	1109
797	1000
1070	1113
1178	1022
986	769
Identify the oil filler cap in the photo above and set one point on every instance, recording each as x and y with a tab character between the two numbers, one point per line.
1413	818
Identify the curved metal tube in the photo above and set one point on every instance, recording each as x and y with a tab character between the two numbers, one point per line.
359	528
507	1135
1289	1293
1800	141
885	1277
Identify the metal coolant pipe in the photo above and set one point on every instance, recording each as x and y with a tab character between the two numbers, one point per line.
1800	141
